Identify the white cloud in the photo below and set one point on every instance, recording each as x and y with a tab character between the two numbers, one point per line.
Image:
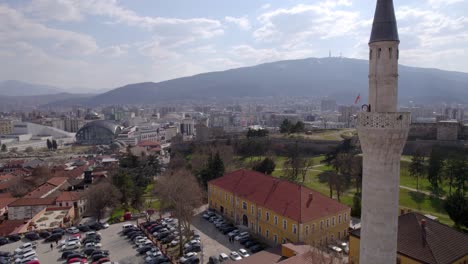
61	10
302	23
265	6
115	50
439	3
15	27
242	22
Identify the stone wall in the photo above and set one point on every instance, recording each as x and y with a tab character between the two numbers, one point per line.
426	131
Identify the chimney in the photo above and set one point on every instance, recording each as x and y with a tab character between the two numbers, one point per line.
311	198
423	231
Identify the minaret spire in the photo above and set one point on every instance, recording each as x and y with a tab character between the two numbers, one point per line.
384	27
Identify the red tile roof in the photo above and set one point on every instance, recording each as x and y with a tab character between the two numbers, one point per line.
69	196
6	195
6	177
8	227
33	202
149	144
6	201
283	197
6	185
76	172
57	181
40	191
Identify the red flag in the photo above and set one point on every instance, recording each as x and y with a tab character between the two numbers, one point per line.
357	99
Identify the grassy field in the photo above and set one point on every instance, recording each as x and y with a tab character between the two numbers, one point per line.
414	201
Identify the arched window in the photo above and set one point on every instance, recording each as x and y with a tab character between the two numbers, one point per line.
378	54
390	51
398	54
370	54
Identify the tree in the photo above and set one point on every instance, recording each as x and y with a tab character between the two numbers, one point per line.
4	148
254	133
181	191
214	169
298	127
124	183
286	126
328	177
417	168
100	197
49	144
266	166
356	209
40	175
356	172
460	171
456	206
435	169
54	144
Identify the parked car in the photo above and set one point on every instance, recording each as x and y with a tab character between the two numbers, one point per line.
234	233
75	255
33	236
14	238
249	243
158	260
89	251
67	253
335	248
168	239
223	257
153	253
53	237
96	226
187	258
256	249
25	247
103	260
83	228
242	241
227	229
125	226
243	253
213	260
58	231
235	256
3	241
71	245
193	248
44	234
145	249
72	230
241	236
77	260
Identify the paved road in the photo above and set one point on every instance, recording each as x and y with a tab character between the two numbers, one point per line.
419	191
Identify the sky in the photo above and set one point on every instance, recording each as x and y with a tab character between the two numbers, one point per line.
102	44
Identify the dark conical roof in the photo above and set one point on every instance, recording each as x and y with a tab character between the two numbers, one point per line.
385	25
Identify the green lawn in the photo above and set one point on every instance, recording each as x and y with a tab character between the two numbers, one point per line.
419	202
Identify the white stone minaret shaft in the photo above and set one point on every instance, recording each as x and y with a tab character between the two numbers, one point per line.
382	132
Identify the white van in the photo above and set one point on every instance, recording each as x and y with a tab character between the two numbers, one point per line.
28	255
24	246
125	226
22	252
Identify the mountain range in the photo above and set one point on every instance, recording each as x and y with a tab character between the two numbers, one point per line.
339	78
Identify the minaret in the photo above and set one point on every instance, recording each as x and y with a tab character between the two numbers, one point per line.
382	132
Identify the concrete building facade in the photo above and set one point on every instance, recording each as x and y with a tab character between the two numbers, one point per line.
383	132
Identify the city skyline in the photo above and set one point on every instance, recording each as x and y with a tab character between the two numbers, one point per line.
112	43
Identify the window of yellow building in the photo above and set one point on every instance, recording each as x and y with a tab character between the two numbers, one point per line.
259	214
267	216
294	229
267	233
259	229
244	205
321	225
333	221
328	223
339	219
307	230
313	228
275	238
346	217
276	220
252	210
285	224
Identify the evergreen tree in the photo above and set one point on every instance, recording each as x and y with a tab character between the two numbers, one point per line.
356	209
217	167
456	206
124	183
266	166
417	168
4	148
286	126
49	144
298	127
435	168
54	144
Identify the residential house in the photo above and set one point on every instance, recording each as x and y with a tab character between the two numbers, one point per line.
278	210
77	200
421	240
4	202
27	208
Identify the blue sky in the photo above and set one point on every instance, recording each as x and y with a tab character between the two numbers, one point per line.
109	43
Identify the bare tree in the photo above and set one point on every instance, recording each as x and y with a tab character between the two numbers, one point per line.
180	190
40	175
100	197
20	187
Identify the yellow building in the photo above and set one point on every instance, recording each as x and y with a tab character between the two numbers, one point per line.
277	210
422	241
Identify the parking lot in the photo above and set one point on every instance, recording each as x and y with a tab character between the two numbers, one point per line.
120	249
213	241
